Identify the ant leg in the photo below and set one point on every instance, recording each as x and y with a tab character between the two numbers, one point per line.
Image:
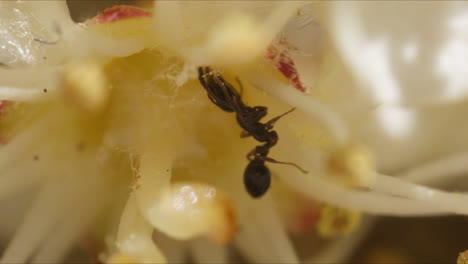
245	134
270	123
202	76
251	154
286	163
230	94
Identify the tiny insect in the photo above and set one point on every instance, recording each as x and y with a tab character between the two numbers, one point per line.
257	176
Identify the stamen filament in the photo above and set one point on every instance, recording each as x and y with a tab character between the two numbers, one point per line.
263	238
68	232
205	251
19	94
18	179
49	207
279	17
438	170
344	246
134	237
365	201
27	84
23	144
451	202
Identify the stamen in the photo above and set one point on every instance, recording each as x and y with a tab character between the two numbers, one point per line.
19	95
344	246
451	202
169	13
40	219
134	238
263	238
236	40
366	201
335	221
15	179
205	251
68	231
23	144
176	251
120	258
352	165
85	86
438	170
18	179
27	84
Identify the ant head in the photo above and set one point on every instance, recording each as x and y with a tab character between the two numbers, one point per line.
257	178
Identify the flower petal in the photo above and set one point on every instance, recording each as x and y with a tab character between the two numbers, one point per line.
118	13
410	53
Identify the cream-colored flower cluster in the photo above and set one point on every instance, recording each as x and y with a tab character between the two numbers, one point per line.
106	125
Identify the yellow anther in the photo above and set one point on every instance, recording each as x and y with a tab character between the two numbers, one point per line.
85	86
237	40
353	166
335	221
227	227
463	257
122	258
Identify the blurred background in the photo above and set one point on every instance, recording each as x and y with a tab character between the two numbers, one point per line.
414	240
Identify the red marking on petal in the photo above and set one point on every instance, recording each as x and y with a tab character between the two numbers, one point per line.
3	104
309	218
118	13
285	65
306	220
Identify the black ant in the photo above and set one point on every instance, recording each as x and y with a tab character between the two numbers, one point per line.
257	176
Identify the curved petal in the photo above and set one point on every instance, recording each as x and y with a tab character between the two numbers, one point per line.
401	137
410	53
302	38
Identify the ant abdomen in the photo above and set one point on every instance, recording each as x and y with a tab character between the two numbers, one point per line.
257	178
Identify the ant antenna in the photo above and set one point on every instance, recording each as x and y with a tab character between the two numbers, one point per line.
271	122
285	163
241	87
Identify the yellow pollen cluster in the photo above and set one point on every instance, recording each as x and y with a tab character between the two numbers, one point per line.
352	165
85	86
335	221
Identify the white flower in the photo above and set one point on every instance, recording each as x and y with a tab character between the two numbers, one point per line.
105	106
